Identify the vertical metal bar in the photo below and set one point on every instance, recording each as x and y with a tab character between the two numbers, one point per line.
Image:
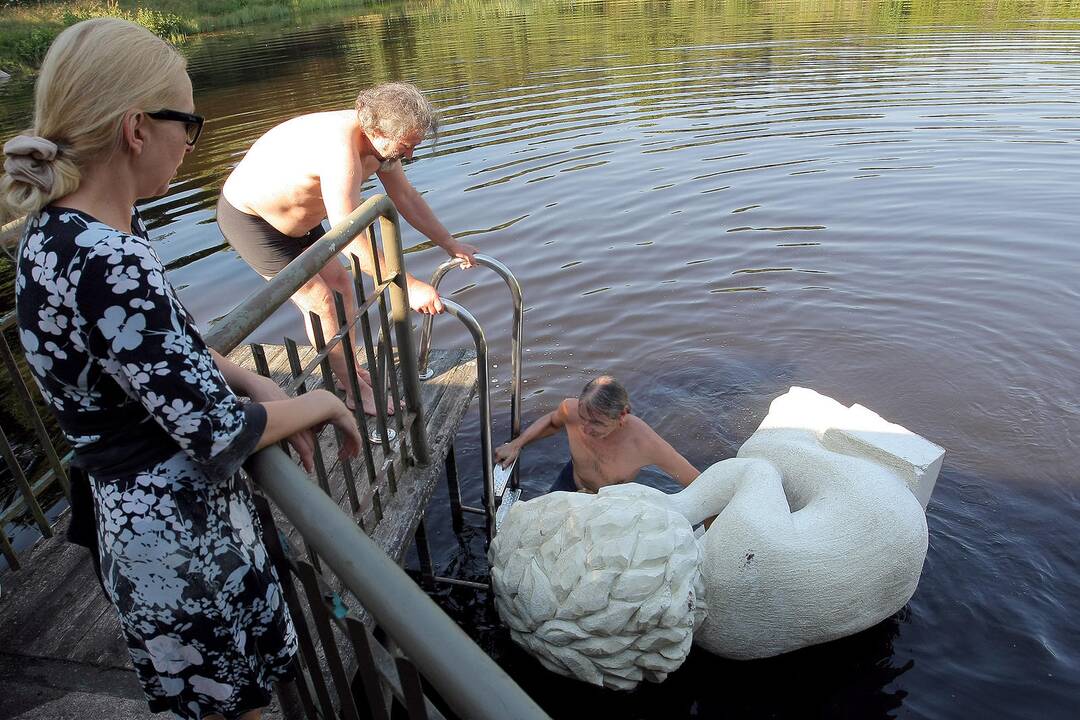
484	391
35	419
326	635
297	369
24	486
369	351
516	340
350	366
8	551
423	552
258	354
376	505
292	702
454	490
412	689
320	468
375	364
296	610
328	384
365	668
399	300
388	371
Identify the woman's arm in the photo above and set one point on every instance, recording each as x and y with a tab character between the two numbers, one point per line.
285	418
548	425
240	379
265	391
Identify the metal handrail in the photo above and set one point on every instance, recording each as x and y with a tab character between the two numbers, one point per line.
469	681
484	384
515	340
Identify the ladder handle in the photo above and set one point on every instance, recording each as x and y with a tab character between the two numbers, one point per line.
515	338
484	383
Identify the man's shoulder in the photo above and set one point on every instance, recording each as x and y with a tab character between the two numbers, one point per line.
306	132
642	431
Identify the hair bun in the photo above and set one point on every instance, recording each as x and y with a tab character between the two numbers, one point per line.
28	159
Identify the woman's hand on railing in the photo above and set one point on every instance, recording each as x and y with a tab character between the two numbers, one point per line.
344	420
302	414
303	442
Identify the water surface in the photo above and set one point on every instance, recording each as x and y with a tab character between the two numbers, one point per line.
716	201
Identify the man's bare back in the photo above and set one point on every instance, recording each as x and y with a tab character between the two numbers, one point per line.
280	178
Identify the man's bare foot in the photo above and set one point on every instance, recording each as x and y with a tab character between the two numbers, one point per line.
367	397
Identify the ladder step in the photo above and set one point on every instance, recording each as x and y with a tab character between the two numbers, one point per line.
504	507
500	477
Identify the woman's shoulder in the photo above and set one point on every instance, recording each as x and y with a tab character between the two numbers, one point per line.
55	225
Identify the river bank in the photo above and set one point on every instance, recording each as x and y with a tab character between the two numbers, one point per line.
28	28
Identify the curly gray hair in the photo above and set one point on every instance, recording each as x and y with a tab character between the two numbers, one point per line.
397	110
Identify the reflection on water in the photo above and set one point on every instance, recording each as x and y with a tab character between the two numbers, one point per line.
715	201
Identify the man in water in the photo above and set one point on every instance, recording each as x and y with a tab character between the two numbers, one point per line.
608	445
312	168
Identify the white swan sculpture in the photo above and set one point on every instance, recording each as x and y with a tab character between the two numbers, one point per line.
603	588
820	533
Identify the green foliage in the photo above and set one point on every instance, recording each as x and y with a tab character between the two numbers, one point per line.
164	24
28	30
29	49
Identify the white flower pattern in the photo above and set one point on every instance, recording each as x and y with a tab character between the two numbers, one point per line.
182	559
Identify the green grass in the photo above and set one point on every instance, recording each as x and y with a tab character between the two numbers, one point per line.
28	28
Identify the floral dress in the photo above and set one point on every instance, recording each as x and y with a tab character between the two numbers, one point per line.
140	399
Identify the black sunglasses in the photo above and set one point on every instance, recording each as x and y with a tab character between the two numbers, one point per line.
193	124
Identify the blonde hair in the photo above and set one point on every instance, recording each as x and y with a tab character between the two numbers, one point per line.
94	72
396	110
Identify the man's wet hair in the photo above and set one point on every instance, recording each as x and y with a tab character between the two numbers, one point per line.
605	396
396	110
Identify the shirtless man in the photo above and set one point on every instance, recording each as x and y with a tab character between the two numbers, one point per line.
608	445
312	168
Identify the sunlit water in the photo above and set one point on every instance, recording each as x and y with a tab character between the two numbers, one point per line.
716	201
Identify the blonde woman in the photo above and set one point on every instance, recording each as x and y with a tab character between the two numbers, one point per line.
149	409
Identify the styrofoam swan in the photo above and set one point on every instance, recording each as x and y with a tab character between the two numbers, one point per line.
820	533
604	588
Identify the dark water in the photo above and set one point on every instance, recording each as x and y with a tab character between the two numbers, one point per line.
716	201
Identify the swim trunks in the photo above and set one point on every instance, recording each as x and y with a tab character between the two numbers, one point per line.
262	246
565	482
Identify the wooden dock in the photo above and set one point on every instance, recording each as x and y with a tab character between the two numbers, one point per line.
62	655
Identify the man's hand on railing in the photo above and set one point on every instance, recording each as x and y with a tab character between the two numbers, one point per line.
463	251
423	298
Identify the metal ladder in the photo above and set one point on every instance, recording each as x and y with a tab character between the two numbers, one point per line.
497	499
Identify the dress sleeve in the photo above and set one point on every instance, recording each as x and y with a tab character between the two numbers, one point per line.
146	341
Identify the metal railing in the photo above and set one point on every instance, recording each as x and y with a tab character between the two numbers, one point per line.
496	503
395	634
423	641
30	484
